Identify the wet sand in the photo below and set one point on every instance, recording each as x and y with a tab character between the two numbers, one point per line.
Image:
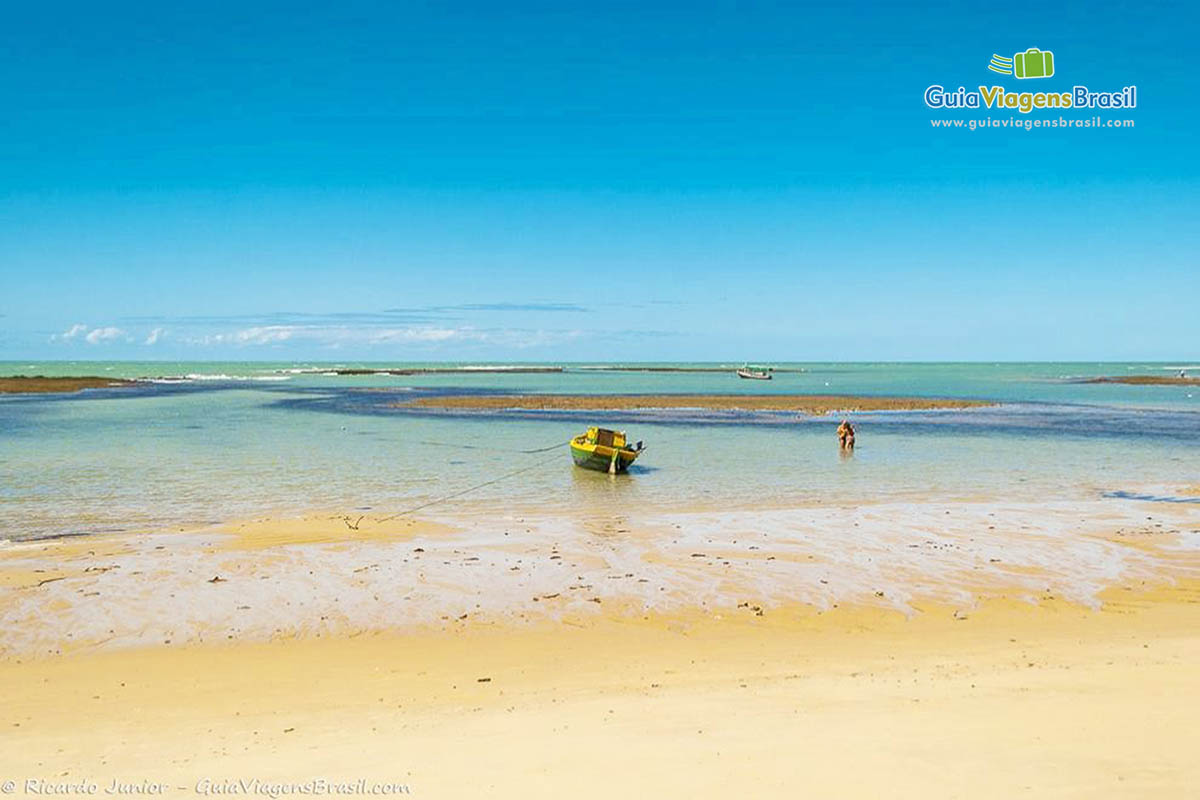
805	404
350	573
38	384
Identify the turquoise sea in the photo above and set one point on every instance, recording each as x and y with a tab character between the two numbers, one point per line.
207	442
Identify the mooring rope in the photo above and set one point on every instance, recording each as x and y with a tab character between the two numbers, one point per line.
480	447
469	489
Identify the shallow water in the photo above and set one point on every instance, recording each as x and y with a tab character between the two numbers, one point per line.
251	439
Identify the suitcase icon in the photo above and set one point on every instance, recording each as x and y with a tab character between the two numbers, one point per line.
1033	63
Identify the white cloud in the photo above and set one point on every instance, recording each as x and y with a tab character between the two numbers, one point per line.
154	336
268	334
71	332
539	338
103	335
420	335
265	334
339	336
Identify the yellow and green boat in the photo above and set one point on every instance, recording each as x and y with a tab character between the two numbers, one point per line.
604	450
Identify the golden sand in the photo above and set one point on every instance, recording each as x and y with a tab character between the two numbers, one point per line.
807	404
23	384
999	699
332	528
1011	699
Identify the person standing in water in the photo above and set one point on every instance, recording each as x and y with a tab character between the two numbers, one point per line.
845	433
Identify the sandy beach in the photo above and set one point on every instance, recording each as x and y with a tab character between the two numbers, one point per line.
1046	700
956	651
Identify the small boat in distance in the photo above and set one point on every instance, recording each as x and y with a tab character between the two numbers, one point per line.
604	450
753	373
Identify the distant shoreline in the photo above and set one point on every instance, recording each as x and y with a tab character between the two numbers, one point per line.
809	404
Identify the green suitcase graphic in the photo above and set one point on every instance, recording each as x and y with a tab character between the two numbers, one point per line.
1033	63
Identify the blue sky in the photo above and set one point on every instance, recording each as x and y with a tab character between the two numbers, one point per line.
609	181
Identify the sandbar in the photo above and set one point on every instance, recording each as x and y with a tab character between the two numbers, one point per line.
1147	380
39	384
802	403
